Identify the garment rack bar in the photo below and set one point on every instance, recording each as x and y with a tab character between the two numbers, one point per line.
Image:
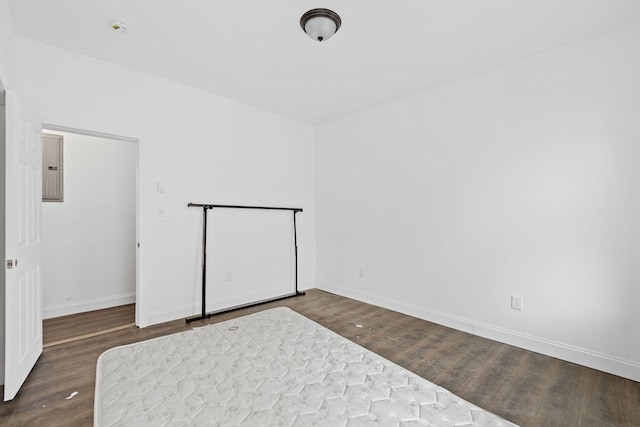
207	207
250	304
211	206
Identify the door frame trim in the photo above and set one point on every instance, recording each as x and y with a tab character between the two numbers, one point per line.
68	129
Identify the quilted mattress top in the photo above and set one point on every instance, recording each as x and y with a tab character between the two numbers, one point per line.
272	368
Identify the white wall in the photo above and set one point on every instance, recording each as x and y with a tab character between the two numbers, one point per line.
206	149
7	58
522	181
89	240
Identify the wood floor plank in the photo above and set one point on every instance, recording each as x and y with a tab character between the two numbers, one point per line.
527	388
85	336
611	399
65	327
564	394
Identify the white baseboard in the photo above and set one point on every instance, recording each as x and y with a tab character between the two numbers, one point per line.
88	305
602	362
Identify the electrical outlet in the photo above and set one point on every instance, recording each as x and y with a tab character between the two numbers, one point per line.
361	272
516	302
229	276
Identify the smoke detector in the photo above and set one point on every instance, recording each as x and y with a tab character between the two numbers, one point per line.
119	26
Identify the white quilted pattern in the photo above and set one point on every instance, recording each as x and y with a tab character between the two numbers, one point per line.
273	368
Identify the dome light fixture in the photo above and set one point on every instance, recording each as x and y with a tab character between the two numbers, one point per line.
320	24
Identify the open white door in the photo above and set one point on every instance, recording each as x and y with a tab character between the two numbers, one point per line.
23	290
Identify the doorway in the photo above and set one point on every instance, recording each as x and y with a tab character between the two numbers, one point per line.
89	237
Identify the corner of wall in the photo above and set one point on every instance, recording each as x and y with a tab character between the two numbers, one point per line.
7	47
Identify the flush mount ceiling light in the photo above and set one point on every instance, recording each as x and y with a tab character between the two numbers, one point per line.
320	24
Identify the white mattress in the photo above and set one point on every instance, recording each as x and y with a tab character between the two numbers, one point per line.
273	368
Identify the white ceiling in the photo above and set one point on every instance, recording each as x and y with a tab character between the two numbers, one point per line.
255	51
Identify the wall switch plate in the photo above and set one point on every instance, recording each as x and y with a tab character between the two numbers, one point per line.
516	302
162	212
161	187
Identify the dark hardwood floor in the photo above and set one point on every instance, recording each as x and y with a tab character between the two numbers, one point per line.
67	327
524	387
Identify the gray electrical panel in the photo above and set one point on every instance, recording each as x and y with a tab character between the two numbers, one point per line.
52	171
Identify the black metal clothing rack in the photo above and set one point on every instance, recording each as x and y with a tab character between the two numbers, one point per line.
205	209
